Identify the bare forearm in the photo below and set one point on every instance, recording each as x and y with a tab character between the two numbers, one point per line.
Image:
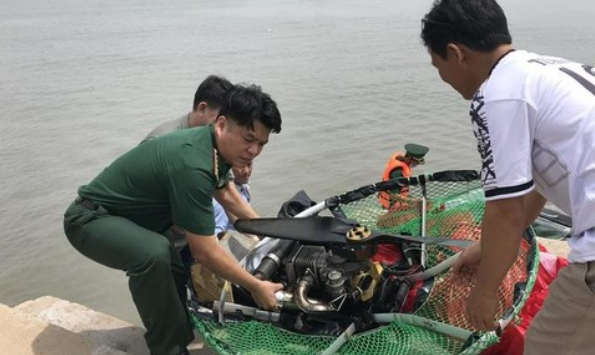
241	209
534	203
502	230
233	202
232	217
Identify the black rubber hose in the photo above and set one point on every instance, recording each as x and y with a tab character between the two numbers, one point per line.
271	262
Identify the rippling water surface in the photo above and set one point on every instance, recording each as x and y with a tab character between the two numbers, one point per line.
82	82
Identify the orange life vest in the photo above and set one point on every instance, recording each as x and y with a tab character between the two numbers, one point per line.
395	162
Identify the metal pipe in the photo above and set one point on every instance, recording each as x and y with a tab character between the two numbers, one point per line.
340	341
426	323
443	266
310	211
256	313
424	202
306	304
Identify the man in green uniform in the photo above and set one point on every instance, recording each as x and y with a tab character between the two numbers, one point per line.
118	218
208	99
401	165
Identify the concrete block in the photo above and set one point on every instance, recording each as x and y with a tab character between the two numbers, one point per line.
94	326
97	327
24	334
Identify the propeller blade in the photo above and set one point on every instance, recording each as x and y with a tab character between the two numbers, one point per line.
329	230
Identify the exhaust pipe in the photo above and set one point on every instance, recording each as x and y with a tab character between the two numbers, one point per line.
308	305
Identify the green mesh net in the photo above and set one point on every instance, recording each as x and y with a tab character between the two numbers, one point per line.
453	209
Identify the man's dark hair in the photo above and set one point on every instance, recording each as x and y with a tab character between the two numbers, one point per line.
212	91
478	24
245	104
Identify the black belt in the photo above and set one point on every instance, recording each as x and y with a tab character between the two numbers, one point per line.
88	204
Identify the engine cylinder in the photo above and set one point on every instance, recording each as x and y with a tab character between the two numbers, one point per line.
307	257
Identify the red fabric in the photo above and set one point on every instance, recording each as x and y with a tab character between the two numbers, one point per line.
512	340
387	253
391	254
409	304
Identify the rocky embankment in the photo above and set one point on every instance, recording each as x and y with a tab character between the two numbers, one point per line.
52	326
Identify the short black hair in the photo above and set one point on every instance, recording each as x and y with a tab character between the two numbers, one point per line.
478	24
212	91
245	104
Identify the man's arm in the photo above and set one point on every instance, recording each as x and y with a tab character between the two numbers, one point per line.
233	202
501	232
534	203
470	257
207	251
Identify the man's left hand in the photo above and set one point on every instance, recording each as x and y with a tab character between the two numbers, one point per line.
481	310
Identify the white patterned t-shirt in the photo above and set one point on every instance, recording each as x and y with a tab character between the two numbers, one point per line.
534	120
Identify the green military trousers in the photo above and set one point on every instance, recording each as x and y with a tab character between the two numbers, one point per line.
156	274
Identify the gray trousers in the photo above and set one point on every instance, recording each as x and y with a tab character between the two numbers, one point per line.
156	274
566	322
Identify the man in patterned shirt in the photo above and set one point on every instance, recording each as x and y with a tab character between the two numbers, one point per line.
534	121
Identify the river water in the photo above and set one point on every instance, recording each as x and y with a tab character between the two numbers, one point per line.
83	82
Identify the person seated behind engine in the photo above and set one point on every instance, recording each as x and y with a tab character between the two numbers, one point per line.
224	219
401	166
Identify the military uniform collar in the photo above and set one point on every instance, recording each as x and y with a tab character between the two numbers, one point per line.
220	167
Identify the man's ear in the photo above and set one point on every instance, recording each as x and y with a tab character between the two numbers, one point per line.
456	52
202	107
221	123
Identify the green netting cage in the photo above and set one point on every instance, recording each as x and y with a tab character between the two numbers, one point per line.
441	205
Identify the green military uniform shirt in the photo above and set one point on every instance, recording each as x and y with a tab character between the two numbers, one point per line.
164	181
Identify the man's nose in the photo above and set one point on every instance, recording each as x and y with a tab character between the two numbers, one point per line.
253	149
